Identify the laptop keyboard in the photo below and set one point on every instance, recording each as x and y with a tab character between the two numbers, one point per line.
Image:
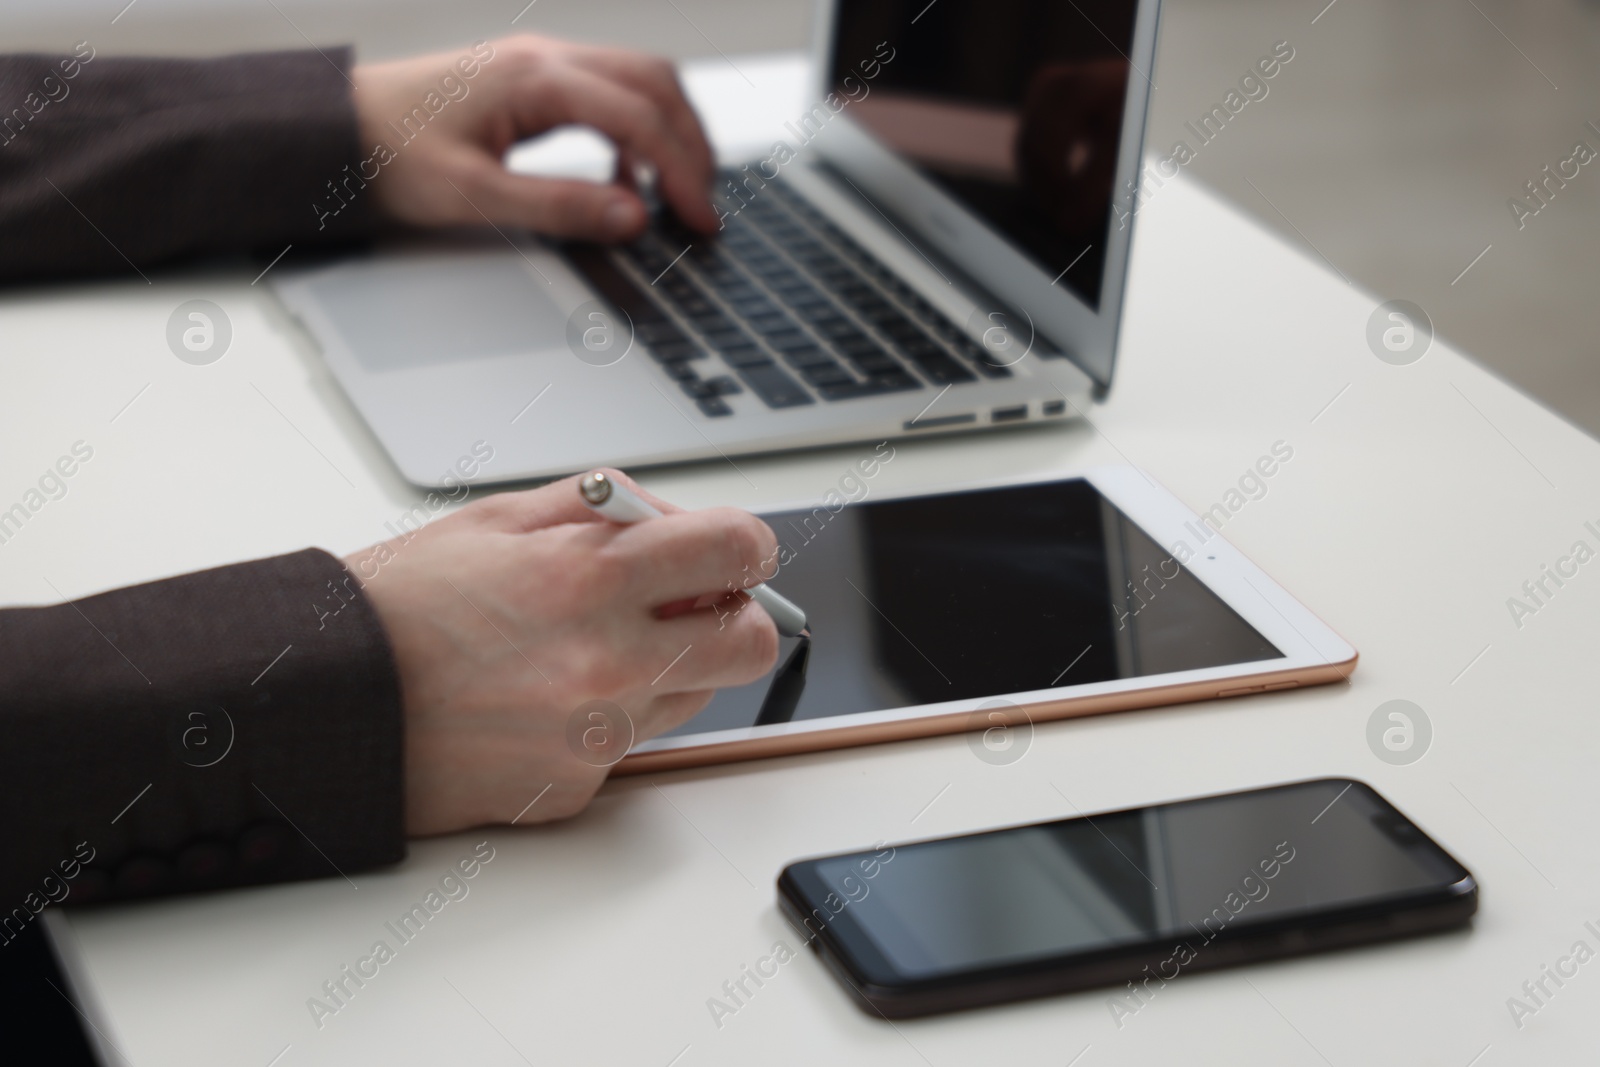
781	303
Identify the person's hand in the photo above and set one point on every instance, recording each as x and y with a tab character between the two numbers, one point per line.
448	119
511	614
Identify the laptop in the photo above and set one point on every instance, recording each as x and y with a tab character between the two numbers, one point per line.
939	245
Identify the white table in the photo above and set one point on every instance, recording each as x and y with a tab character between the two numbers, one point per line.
1419	498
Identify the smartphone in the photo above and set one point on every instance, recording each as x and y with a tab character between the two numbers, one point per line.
1133	899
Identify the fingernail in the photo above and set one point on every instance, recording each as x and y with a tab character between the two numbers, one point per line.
619	217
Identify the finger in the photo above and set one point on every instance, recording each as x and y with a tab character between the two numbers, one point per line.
679	607
673	609
551	505
724	645
692	553
557	93
657	78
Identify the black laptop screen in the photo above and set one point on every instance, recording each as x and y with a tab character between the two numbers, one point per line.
1013	107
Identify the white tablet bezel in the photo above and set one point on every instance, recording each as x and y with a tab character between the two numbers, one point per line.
1313	653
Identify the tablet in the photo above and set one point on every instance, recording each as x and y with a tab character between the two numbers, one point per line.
1003	606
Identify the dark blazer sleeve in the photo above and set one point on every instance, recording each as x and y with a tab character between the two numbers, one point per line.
117	165
228	727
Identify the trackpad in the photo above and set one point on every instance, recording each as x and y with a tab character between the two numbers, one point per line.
418	312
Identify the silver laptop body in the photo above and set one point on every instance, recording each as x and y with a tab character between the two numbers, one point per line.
942	246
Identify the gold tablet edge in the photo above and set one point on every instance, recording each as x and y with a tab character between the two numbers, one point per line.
958	722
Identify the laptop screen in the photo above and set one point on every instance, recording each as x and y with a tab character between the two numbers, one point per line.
1013	107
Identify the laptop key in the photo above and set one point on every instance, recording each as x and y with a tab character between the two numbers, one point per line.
859	344
877	364
758	305
811	307
677	351
896	381
902	332
746	356
646	254
653	333
829	373
767	266
874	307
770	325
710	321
714	406
679	372
704	389
723	340
804	295
851	390
809	357
784	339
790	340
989	365
921	346
738	292
775	387
942	369
870	387
836	328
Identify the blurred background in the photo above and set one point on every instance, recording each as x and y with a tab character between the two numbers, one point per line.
1389	146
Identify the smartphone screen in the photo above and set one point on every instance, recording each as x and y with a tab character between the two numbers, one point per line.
1184	873
961	595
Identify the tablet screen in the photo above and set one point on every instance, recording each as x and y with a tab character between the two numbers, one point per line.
969	595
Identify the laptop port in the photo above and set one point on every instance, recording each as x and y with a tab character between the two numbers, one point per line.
942	420
1009	414
1054	407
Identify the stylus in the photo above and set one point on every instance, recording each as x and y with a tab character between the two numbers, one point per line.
617	502
788	685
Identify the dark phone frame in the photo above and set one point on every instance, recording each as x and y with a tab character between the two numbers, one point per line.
878	988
